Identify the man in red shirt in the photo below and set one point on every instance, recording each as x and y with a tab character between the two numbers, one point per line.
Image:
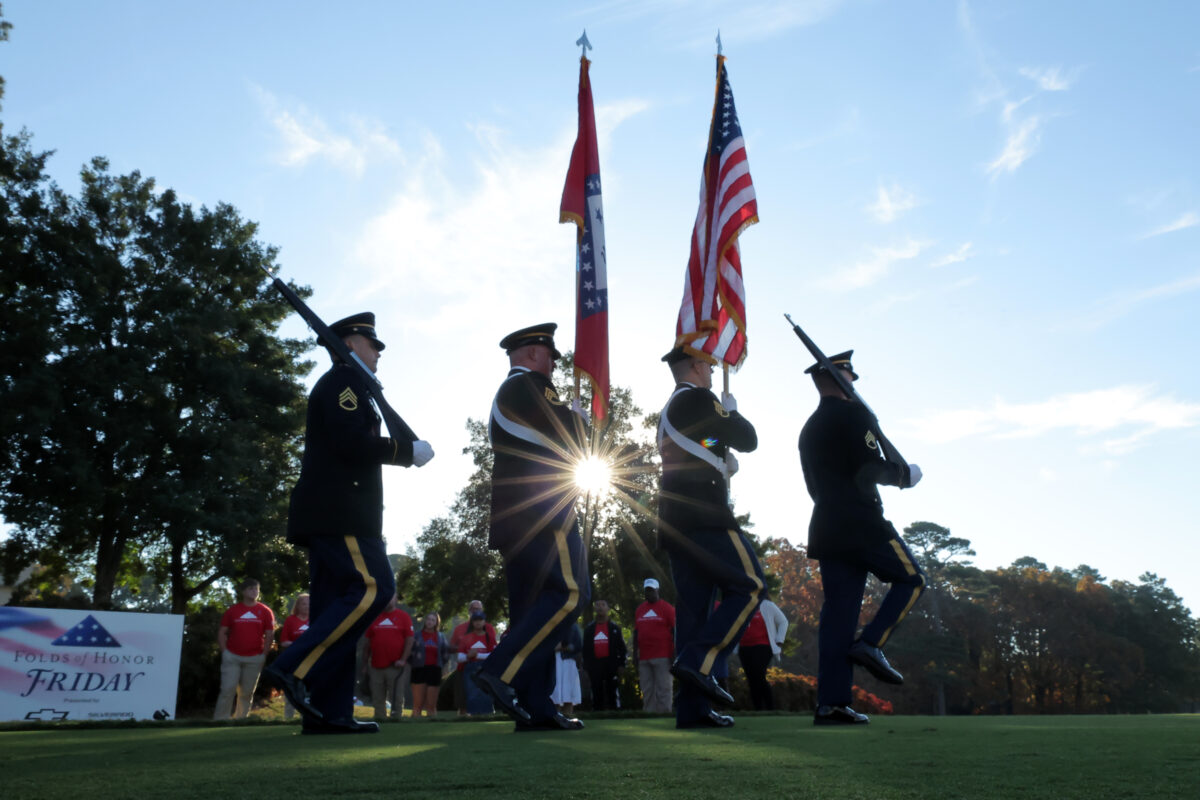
390	639
247	629
603	658
654	647
456	646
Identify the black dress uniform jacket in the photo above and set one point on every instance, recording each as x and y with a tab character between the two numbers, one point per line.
340	491
843	465
694	434
535	440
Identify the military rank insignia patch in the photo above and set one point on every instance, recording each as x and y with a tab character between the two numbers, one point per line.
348	400
720	408
552	396
870	440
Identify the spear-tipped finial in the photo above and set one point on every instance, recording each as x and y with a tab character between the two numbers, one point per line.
583	42
718	41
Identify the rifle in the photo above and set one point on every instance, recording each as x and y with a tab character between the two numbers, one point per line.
889	450
397	427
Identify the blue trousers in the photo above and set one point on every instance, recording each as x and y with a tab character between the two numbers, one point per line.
351	581
843	580
704	562
547	586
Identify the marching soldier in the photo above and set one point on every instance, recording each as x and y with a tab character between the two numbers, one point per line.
843	466
337	513
709	551
536	441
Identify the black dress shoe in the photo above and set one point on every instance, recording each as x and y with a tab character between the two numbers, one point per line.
876	663
839	715
713	720
705	684
336	726
503	695
559	722
295	691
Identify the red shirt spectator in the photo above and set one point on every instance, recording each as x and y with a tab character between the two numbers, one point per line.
654	624
387	636
600	643
248	627
756	632
477	644
293	626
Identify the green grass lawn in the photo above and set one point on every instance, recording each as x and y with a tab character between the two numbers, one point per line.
775	756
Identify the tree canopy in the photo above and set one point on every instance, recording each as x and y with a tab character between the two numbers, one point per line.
150	414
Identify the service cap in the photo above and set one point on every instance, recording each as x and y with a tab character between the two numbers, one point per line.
363	324
534	334
841	360
676	355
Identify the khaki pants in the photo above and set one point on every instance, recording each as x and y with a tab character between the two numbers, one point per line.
239	676
389	683
654	674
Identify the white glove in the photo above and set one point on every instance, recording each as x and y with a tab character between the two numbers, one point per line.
914	475
731	463
422	452
578	408
729	401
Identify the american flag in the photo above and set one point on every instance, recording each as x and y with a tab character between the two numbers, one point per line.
581	204
712	317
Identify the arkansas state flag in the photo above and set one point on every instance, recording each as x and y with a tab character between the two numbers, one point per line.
581	204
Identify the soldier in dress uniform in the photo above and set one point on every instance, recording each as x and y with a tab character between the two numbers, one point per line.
843	465
709	551
337	513
536	441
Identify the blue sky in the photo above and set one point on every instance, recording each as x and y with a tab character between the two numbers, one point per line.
995	204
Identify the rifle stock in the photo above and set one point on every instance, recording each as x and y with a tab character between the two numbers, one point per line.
889	450
397	427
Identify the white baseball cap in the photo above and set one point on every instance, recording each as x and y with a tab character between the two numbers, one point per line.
650	583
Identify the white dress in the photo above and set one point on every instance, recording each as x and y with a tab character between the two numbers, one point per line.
566	687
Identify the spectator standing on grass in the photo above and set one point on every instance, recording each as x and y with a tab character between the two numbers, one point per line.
603	658
295	624
461	690
390	639
653	647
476	643
430	655
567	693
762	641
247	629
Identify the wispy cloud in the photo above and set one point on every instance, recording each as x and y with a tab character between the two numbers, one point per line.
480	247
1022	142
1187	220
1051	79
959	255
1022	127
891	202
875	267
304	137
1117	420
1123	303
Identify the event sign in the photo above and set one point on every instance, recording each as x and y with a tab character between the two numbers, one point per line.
67	664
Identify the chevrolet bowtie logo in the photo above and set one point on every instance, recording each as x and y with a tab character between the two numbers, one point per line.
43	714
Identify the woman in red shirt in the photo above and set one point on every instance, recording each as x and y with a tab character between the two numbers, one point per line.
477	644
429	655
